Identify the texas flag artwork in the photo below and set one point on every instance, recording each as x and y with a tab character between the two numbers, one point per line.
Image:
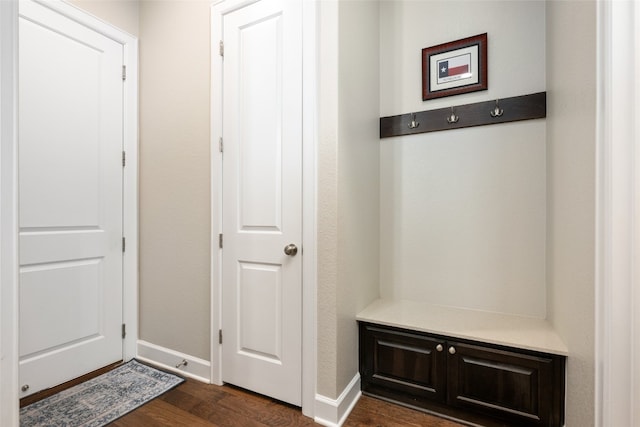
454	68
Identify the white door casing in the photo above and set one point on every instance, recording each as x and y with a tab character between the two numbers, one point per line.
262	199
9	413
71	198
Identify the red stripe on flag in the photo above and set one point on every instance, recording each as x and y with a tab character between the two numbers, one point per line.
454	71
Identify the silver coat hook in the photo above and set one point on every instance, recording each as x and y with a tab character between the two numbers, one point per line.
452	118
497	111
413	124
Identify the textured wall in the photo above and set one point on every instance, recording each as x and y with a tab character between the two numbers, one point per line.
348	174
327	200
358	176
463	211
175	175
571	151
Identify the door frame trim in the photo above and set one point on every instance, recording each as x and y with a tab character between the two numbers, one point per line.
309	180
617	300
9	406
9	367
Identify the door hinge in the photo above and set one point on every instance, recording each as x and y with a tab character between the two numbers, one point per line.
220	146
222	48
220	240
124	330
124	72
219	336
124	244
124	159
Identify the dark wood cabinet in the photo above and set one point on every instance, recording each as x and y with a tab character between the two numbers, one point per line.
406	362
476	382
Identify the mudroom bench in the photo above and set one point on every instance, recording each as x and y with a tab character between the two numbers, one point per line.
474	367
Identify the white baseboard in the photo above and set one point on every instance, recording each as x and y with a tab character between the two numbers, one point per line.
333	413
196	368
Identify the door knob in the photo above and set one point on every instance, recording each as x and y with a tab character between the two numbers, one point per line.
452	350
439	347
291	249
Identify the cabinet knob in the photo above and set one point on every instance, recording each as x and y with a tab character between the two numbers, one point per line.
439	347
452	350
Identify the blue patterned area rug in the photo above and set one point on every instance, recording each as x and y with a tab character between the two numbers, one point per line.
102	399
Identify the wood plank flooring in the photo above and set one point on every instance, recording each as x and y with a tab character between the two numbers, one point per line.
197	404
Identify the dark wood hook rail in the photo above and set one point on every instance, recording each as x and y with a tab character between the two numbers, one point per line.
516	108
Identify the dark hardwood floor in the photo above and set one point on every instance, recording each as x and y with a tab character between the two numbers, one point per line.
197	404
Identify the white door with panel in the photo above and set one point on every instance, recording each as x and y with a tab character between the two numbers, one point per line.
262	189
70	170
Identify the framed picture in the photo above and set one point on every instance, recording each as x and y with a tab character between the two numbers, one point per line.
454	68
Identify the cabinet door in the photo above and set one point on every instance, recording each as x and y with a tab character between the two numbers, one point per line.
394	361
512	386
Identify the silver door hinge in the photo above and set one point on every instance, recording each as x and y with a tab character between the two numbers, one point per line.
221	48
124	159
124	244
220	240
220	146
219	336
124	72
124	330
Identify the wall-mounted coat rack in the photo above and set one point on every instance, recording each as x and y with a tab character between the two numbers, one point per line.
525	107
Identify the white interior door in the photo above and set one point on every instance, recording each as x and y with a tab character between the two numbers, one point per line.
262	175
70	171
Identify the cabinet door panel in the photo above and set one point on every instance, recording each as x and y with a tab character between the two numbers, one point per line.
403	362
496	382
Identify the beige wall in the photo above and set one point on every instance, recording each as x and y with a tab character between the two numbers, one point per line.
174	167
327	199
175	175
124	14
358	176
348	182
571	142
463	211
